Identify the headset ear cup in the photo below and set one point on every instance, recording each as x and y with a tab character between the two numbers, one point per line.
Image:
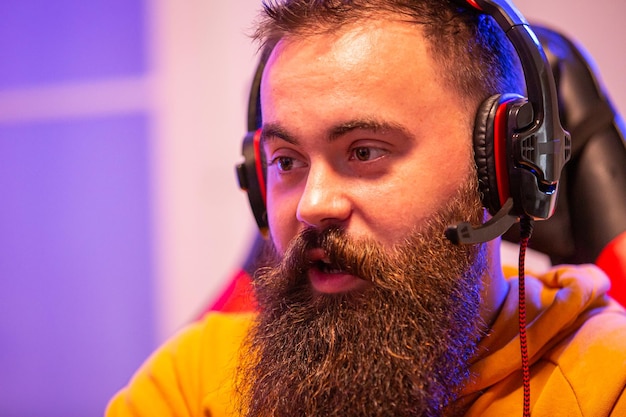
251	173
251	176
484	152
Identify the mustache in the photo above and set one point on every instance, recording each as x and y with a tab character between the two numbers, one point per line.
362	258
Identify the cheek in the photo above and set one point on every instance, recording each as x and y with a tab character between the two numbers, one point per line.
420	190
391	217
281	216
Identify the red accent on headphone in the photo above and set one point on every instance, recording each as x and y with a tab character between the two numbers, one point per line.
259	164
499	141
474	4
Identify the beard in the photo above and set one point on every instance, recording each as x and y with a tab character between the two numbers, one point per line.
398	347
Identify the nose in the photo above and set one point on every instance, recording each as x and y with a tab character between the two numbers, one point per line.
325	200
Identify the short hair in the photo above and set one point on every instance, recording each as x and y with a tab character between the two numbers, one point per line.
475	57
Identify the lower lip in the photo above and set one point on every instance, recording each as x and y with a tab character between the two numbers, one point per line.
333	283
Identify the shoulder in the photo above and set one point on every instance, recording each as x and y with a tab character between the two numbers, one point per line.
594	329
591	360
223	326
600	335
577	343
196	365
217	336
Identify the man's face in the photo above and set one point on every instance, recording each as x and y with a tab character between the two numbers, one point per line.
360	133
366	308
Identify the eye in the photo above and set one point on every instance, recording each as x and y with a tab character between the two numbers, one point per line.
367	153
285	163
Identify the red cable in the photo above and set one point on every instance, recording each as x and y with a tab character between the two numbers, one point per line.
526	231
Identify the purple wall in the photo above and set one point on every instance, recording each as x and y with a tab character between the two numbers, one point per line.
75	228
69	40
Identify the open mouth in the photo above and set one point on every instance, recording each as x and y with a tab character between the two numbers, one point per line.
327	267
321	261
328	275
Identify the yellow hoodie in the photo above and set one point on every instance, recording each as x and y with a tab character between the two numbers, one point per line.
576	337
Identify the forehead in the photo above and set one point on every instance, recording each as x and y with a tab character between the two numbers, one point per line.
367	46
376	63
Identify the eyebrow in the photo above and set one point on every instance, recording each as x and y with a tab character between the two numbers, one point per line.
273	131
371	125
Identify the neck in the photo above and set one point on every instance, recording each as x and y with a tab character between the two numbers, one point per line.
496	286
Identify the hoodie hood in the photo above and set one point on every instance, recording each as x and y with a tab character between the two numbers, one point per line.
557	303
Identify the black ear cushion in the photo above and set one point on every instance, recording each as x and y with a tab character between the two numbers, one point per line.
251	176
484	152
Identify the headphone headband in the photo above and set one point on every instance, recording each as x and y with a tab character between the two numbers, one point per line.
540	85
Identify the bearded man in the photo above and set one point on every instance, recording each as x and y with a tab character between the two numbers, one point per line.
365	308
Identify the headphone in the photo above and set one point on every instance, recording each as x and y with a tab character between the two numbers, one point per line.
520	147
